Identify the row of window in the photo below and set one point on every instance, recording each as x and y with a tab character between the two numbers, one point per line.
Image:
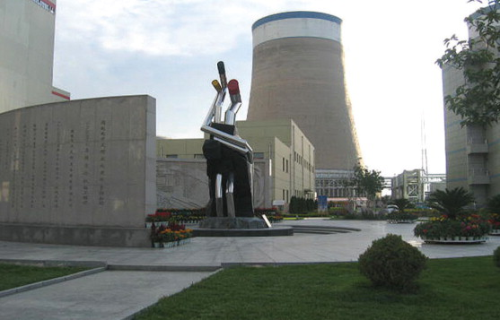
300	160
285	195
47	5
285	165
336	193
176	156
256	155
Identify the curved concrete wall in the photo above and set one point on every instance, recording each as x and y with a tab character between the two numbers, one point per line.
298	73
82	164
183	183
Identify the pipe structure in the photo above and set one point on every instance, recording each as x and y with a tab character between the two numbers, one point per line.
229	157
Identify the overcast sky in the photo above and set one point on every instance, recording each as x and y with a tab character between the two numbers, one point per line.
169	49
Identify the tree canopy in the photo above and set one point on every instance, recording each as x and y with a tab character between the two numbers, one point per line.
450	202
402	204
477	101
368	182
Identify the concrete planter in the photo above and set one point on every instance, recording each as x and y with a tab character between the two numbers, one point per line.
171	244
401	221
495	232
455	240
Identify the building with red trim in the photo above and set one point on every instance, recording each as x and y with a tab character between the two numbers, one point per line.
27	29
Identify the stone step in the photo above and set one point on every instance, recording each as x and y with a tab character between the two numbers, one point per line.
321	229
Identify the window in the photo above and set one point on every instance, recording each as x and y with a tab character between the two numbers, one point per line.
47	5
258	155
172	156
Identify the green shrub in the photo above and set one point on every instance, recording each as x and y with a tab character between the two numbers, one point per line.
302	205
401	216
365	215
496	257
338	211
392	263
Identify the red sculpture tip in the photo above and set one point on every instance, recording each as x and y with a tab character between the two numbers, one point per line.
233	87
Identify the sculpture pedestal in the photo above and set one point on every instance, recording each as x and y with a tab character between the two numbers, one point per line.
232	223
238	227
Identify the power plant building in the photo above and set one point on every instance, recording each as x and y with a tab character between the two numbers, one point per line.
283	166
472	151
71	172
298	73
27	53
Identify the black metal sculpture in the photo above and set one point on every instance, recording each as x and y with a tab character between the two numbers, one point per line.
229	157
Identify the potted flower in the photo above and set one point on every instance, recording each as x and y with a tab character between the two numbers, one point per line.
150	219
168	238
172	235
155	237
454	224
495	224
163	216
493	207
401	217
272	214
472	228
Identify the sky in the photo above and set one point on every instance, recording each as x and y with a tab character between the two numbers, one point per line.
169	49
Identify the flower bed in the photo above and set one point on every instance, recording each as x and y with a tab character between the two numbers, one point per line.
455	240
495	224
179	216
272	214
470	228
166	217
171	235
401	217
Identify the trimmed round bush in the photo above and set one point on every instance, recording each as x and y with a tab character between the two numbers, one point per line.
392	263
496	257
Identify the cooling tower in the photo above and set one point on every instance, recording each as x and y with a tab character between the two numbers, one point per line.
298	73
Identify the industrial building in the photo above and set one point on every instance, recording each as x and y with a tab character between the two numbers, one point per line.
416	185
27	54
283	161
472	151
78	172
298	73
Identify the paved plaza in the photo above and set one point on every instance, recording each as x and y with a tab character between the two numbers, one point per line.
137	277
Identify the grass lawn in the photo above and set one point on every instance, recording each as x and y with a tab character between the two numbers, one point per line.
451	289
12	276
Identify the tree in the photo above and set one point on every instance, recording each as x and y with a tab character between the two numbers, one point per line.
477	101
402	204
385	200
348	187
493	204
294	205
367	182
450	202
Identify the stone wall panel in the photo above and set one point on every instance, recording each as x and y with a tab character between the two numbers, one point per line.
81	163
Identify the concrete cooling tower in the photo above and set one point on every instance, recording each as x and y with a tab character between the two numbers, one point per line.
298	73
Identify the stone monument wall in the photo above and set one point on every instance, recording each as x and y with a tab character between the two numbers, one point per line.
78	172
183	183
